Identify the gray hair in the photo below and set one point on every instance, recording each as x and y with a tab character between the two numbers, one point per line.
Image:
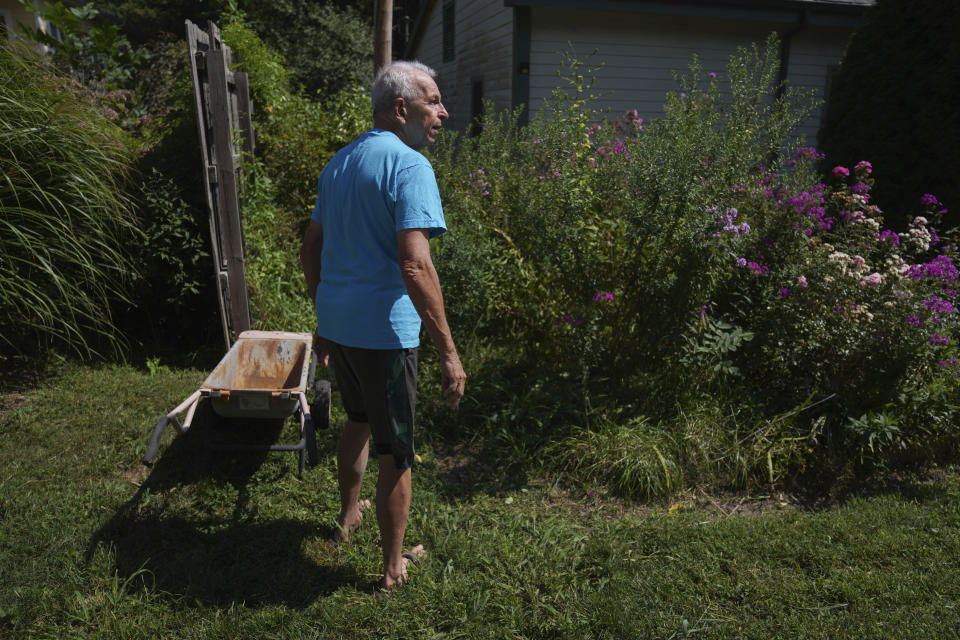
397	80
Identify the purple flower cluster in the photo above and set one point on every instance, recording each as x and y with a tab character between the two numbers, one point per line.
567	320
603	296
937	340
727	222
758	269
811	204
808	153
783	292
940	268
632	116
889	236
614	148
937	307
930	200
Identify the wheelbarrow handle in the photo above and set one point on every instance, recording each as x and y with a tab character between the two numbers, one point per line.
154	445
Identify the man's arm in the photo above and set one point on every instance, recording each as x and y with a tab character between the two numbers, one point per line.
423	286
310	263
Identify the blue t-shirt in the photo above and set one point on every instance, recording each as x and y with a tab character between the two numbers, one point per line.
370	190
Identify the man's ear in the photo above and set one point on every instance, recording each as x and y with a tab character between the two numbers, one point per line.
400	108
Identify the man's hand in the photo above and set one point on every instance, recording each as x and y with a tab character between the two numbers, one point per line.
453	380
320	348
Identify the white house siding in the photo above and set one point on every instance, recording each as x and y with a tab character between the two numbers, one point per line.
639	52
14	14
483	41
814	53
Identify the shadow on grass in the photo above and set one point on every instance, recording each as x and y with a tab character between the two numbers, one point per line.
464	470
917	481
214	559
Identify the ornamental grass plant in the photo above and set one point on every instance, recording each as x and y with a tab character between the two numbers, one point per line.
65	221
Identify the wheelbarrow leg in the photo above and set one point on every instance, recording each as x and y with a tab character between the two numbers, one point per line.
154	445
311	441
309	451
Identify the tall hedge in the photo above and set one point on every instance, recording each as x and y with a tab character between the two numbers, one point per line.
894	101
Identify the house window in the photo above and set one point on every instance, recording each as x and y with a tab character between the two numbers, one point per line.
449	46
476	108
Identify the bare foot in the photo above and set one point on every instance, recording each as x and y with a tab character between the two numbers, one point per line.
347	522
413	555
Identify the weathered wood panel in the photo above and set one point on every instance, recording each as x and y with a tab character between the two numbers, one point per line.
218	118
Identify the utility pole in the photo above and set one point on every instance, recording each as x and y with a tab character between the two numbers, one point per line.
383	35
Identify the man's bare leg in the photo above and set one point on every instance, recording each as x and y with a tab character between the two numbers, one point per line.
393	506
352	451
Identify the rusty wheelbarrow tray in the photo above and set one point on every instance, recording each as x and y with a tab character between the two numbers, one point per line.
265	375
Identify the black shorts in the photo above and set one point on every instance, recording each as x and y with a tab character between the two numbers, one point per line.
379	386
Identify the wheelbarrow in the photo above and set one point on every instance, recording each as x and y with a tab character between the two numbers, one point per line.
264	376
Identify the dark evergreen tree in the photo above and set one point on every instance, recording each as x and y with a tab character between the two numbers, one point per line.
894	101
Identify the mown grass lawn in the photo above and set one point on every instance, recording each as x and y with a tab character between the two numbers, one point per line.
212	545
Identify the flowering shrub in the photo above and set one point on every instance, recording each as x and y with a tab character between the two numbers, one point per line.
665	263
848	309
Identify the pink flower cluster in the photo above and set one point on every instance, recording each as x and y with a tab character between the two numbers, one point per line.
873	280
479	179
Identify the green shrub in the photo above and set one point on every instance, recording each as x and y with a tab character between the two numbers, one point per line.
67	224
594	233
695	265
634	459
295	139
296	136
277	290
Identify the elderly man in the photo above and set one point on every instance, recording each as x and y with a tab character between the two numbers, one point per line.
366	259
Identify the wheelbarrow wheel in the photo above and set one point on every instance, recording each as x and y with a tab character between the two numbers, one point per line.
319	419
